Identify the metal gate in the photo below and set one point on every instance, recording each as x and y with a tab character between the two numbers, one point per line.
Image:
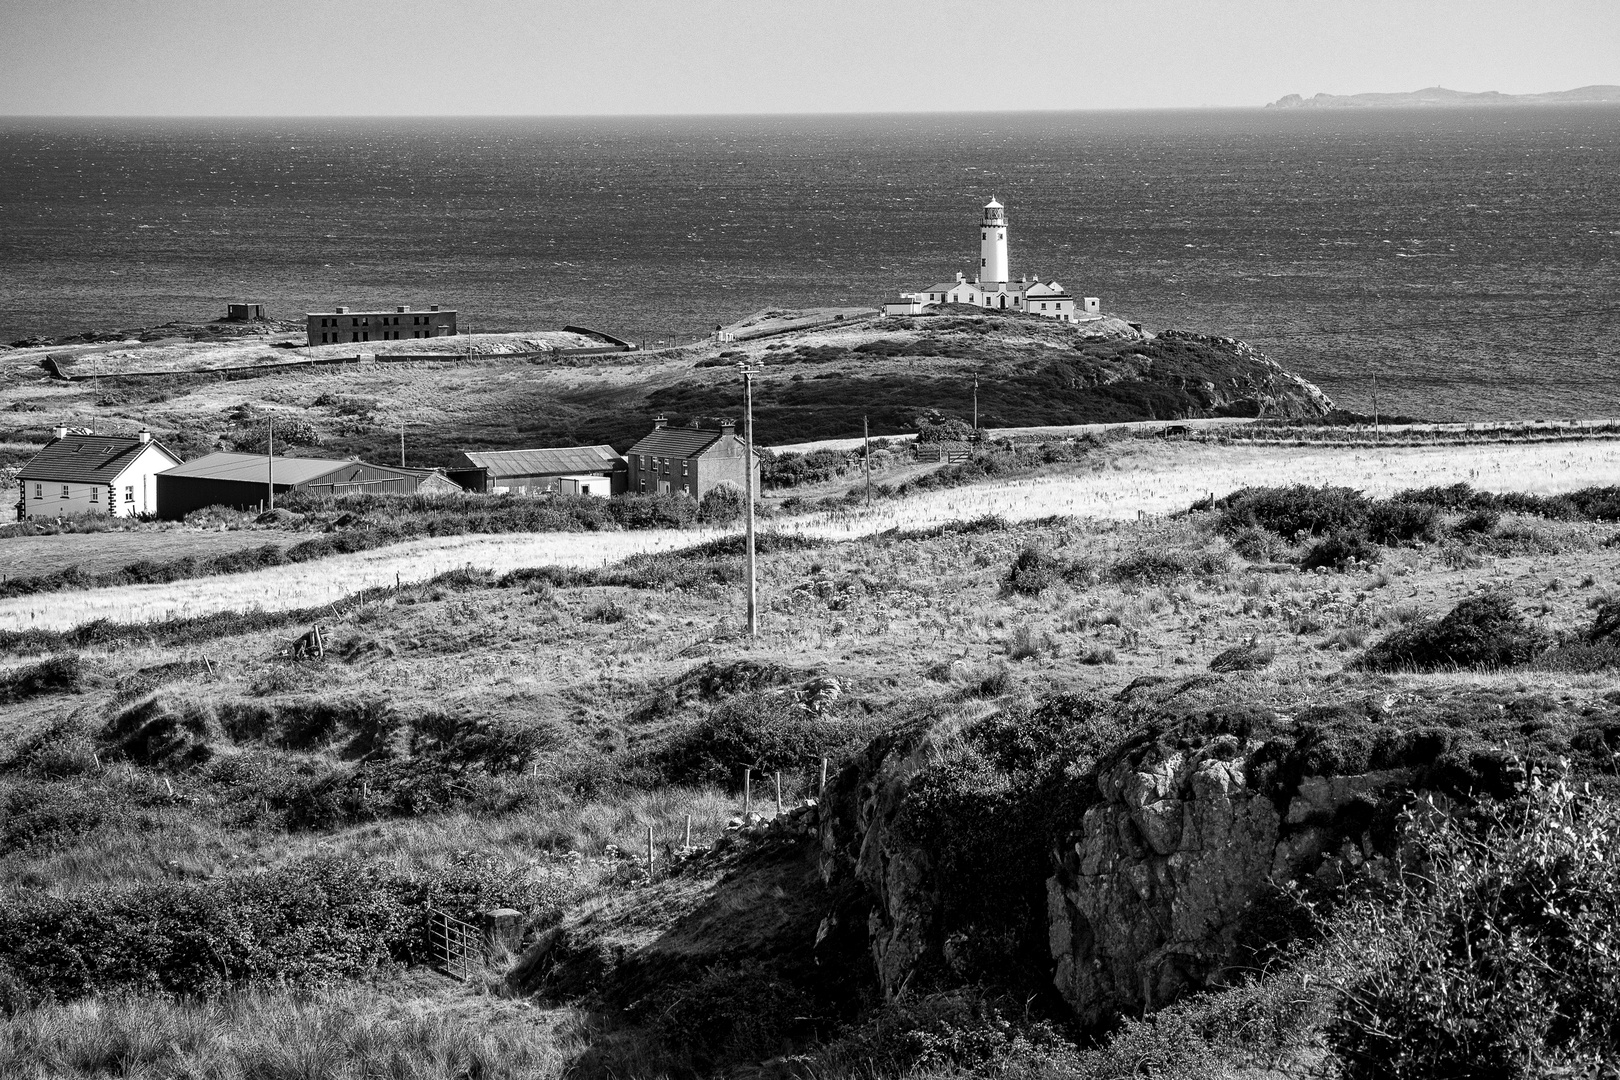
457	946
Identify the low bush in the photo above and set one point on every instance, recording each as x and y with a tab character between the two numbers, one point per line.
1501	959
1250	656
305	924
789	469
1392	523
1293	511
1338	550
1484	631
1161	565
60	674
764	731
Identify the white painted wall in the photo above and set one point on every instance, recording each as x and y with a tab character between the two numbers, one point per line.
131	492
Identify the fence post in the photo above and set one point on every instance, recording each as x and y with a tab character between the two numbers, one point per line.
649	854
779	793
748	793
689	830
822	790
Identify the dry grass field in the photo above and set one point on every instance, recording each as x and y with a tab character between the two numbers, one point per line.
233	777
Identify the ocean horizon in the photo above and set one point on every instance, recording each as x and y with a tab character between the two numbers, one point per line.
1466	260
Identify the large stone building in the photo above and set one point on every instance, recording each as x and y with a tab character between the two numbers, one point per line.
689	461
991	287
347	325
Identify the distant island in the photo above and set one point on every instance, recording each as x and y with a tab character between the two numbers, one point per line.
1440	96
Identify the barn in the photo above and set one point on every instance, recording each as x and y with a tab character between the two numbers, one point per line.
242	481
597	471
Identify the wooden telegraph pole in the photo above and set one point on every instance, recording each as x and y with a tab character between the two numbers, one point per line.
975	403
866	456
402	443
270	462
748	374
1375	409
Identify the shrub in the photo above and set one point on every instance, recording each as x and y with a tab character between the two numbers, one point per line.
721	504
1390	522
1157	565
1483	631
1501	960
53	675
1032	572
1249	656
1338	550
1290	511
763	731
1481	522
1256	544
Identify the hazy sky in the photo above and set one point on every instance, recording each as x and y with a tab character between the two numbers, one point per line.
417	57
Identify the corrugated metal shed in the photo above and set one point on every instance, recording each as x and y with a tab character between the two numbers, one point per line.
552	461
253	469
241	480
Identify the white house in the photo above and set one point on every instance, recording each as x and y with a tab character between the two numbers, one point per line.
93	474
990	288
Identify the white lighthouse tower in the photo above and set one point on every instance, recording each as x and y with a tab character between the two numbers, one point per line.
993	243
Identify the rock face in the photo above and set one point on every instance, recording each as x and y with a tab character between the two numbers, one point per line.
1149	898
859	842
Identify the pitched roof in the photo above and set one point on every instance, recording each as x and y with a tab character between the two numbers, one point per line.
251	468
676	442
86	459
550	461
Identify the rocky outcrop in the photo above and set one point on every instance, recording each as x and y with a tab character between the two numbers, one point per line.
1149	899
860	844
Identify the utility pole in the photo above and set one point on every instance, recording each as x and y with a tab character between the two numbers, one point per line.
866	456
402	443
270	462
1375	408
975	404
748	374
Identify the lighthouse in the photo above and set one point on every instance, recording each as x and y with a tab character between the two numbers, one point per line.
993	243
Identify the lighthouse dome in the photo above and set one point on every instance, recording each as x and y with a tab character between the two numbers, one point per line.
994	203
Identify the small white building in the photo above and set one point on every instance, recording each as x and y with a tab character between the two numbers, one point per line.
93	474
990	288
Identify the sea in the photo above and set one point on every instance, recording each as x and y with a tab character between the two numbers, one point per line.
1459	264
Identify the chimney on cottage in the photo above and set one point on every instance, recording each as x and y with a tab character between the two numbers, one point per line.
728	427
342	310
59	431
660	422
144	435
399	308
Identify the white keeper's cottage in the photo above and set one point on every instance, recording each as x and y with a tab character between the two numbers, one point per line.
991	287
93	474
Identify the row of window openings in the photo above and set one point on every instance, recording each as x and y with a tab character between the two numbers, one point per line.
416	320
650	463
1016	302
95	493
365	335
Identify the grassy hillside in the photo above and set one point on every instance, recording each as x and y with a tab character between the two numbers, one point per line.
171	826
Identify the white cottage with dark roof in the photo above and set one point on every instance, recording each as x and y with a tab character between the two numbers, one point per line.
991	287
93	474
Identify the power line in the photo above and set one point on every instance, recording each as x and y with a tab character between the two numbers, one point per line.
1473	321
